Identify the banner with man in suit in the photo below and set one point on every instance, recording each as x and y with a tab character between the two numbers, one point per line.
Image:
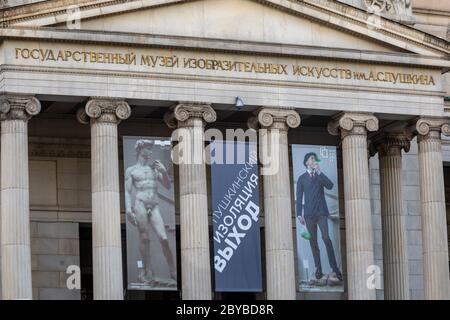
317	212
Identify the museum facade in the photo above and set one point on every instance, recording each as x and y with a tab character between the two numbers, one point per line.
79	76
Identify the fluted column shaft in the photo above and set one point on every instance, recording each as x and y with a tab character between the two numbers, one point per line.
104	116
195	256
280	265
15	209
434	222
353	128
395	258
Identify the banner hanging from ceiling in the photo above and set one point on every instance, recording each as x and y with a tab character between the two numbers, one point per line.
150	213
236	227
317	218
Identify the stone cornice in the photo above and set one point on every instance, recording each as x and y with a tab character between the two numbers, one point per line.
49	8
385	26
431	12
55	11
335	14
221	80
219	45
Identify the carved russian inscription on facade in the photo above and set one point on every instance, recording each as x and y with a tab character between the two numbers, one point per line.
149	62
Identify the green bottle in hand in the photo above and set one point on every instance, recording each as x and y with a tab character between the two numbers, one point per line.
304	233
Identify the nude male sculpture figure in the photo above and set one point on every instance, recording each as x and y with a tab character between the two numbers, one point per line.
142	178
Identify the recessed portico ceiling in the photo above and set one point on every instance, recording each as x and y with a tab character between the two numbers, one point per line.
331	14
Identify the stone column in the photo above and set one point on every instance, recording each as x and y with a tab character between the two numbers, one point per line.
432	195
280	266
353	128
104	115
395	257
190	119
15	111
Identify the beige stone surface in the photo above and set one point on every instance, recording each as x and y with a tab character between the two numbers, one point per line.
15	53
395	255
190	119
437	5
45	279
137	81
353	128
60	187
15	208
329	12
434	220
54	247
218	19
45	246
433	16
104	115
58	294
55	230
69	247
43	183
74	183
280	267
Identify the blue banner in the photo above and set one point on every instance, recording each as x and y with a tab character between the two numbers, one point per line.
236	227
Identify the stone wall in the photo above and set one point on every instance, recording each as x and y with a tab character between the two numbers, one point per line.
411	197
433	17
60	196
59	199
60	189
54	247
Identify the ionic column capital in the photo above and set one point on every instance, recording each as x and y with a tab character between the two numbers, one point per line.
352	123
390	144
104	110
185	114
430	127
18	107
272	118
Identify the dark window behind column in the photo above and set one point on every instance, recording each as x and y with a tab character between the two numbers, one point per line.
447	198
87	283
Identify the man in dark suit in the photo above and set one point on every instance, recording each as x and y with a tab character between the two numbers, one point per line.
315	212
